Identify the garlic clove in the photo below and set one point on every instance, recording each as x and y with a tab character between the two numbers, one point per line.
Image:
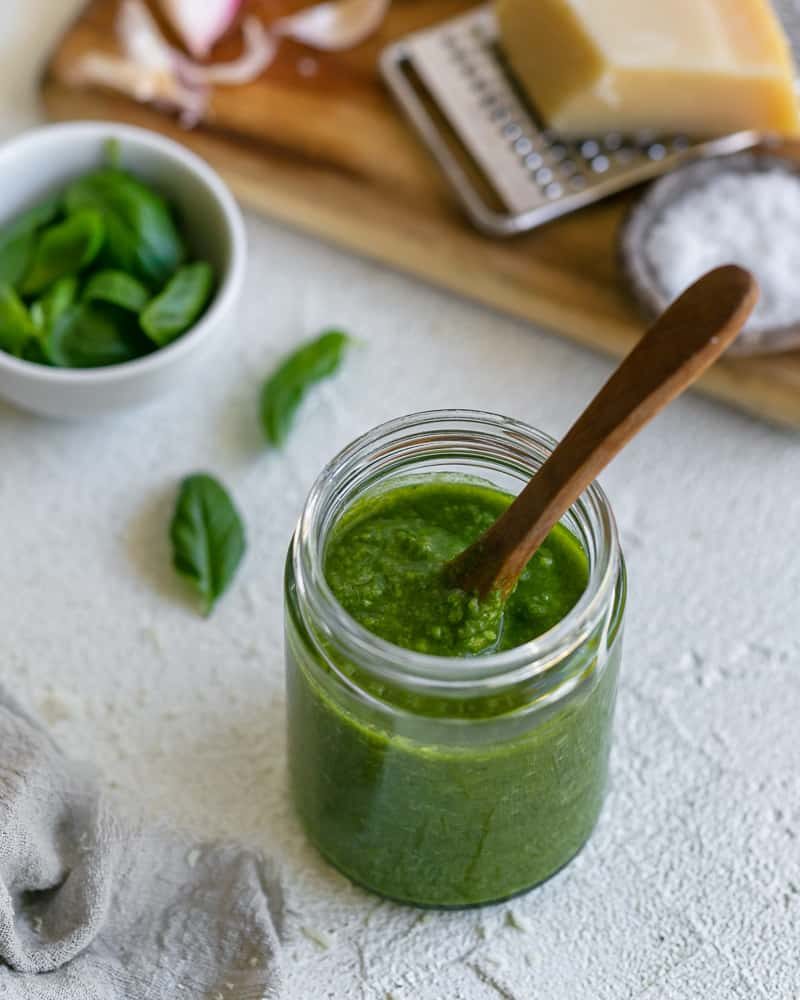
335	24
148	86
141	38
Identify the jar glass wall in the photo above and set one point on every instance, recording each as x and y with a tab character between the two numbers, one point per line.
445	781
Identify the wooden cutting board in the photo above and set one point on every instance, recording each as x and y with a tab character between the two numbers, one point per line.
330	154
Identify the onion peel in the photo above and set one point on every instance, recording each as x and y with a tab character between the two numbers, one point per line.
333	25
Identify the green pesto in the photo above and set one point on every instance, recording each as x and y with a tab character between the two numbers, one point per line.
424	799
424	822
384	565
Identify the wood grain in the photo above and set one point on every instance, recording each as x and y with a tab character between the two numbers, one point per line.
331	155
680	345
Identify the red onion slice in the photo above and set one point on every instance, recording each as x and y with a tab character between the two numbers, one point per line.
153	71
258	52
200	23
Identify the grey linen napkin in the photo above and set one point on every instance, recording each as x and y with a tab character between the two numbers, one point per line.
93	907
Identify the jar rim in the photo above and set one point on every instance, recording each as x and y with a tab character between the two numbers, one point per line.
396	664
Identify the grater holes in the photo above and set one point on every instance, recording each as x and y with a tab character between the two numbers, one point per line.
478	32
534	161
532	173
470	71
500	115
554	165
462	57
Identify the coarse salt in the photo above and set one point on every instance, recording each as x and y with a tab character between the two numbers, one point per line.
746	218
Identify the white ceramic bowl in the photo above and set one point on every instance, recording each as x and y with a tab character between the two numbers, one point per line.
43	160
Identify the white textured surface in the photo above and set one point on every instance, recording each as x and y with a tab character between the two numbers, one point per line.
690	889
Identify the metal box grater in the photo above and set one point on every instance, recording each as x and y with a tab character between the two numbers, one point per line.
452	83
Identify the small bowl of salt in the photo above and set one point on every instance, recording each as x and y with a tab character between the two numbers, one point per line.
742	209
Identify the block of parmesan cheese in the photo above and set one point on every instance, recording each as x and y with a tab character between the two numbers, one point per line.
704	67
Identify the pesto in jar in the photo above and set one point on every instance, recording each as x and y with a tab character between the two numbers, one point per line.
385	559
418	797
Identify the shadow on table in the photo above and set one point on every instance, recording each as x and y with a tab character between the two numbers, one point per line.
148	545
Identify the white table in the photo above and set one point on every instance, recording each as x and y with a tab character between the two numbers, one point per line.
691	885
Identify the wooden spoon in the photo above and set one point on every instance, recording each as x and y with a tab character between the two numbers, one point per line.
682	343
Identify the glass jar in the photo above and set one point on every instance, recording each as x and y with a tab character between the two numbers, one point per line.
445	781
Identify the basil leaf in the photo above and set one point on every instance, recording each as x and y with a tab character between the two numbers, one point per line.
208	537
118	288
56	300
284	390
15	256
35	351
113	153
64	249
176	308
45	311
16	325
17	239
92	335
141	237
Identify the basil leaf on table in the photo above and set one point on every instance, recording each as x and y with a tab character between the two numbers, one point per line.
18	238
91	335
63	249
208	537
117	288
284	390
175	308
16	325
141	236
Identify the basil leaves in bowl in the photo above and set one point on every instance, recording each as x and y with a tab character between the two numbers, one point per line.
121	257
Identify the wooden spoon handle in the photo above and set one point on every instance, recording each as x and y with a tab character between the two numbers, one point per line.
682	343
